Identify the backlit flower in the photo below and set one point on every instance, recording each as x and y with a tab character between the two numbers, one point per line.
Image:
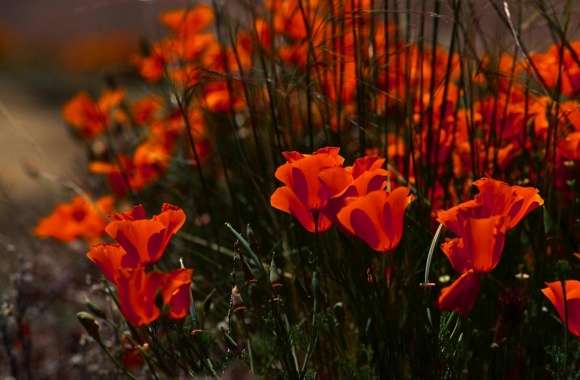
377	218
143	239
88	116
303	195
481	225
570	312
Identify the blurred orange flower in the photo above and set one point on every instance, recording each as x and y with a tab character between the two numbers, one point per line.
188	21
78	219
91	117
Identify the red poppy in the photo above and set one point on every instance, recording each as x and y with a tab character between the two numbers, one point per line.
304	195
145	240
570	312
377	218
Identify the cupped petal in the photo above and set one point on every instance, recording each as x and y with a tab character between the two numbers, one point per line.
140	239
137	291
526	200
484	239
458	256
461	295
394	214
365	164
108	258
285	200
362	217
176	292
555	294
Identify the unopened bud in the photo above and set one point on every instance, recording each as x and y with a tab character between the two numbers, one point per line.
89	323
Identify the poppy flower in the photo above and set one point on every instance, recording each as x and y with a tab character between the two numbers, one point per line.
140	242
88	116
77	219
494	198
138	290
304	195
143	239
481	225
377	218
570	312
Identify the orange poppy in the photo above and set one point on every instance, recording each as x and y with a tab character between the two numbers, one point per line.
189	21
377	218
494	198
76	219
479	246
140	242
88	116
145	109
570	312
143	239
481	225
303	194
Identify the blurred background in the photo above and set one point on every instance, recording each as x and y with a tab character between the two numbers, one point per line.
50	50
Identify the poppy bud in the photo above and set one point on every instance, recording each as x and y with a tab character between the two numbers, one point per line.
90	324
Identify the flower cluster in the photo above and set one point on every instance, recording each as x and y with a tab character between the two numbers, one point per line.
318	191
481	225
141	243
